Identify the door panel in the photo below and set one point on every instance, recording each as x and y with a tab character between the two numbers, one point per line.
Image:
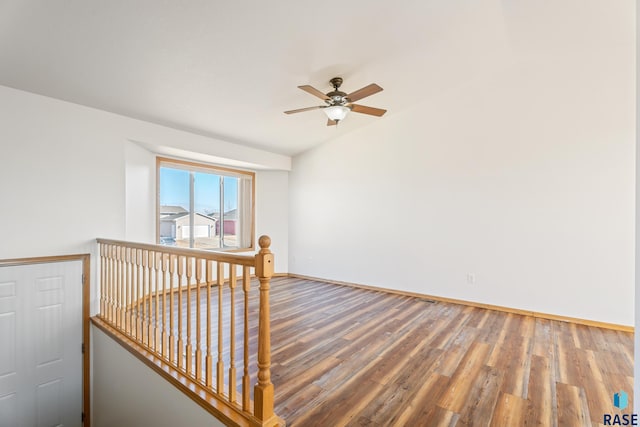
48	403
8	349
8	416
40	345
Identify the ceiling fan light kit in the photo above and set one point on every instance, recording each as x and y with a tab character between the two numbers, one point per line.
336	112
340	103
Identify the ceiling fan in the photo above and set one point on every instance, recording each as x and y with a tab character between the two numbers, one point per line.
340	103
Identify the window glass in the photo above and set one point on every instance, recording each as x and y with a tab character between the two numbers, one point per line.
204	207
174	207
207	209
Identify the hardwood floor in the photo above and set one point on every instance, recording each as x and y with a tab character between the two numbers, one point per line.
345	356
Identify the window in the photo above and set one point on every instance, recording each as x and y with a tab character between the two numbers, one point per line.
204	207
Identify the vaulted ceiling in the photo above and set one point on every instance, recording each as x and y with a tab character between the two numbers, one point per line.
229	69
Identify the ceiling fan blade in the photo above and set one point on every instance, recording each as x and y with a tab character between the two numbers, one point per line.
367	110
364	92
313	91
331	122
300	110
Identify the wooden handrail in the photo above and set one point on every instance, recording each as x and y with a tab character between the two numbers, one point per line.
147	292
248	260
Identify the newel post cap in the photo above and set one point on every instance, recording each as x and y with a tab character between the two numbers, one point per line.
264	241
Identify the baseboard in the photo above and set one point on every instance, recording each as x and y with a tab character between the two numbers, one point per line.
586	322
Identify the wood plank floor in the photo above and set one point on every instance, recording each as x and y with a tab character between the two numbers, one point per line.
343	356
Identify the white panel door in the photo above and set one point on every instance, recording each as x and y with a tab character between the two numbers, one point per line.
41	345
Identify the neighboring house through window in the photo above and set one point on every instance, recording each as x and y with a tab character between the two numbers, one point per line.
204	207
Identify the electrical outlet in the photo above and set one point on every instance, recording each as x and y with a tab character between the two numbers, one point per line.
471	278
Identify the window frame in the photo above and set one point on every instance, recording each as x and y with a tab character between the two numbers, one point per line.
192	166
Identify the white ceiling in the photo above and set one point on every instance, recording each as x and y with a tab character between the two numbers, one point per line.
229	69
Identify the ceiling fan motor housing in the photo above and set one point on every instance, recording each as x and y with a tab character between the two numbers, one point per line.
337	97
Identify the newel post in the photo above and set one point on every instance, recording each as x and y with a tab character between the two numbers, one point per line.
263	390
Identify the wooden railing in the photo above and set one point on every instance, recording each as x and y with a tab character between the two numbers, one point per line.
180	305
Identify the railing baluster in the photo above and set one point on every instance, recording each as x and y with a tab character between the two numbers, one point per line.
114	287
145	296
123	288
232	334
118	286
148	296
246	391
111	284
156	309
165	260
198	320
209	359
103	278
134	283
129	300
172	341
189	349
180	340
107	287
140	274
220	364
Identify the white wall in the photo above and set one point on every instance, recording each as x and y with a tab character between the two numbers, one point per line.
524	179
71	174
127	393
636	375
140	189
272	205
62	176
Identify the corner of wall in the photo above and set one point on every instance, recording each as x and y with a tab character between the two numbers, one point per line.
140	190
